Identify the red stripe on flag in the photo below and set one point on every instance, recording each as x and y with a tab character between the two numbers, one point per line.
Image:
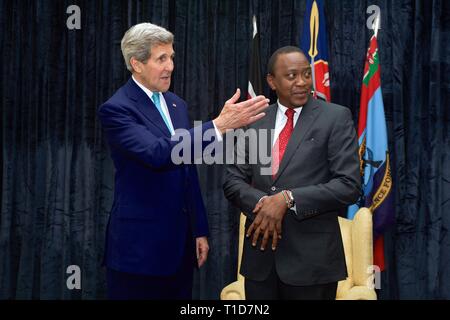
378	253
367	94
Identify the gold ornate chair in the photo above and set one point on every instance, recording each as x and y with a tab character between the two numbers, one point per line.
357	239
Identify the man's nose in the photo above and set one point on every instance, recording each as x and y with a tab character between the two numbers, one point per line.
170	65
299	81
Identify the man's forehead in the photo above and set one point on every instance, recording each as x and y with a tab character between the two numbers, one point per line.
293	59
161	49
295	65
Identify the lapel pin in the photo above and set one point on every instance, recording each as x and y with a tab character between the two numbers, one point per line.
174	105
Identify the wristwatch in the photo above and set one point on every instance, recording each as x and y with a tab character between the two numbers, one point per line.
290	199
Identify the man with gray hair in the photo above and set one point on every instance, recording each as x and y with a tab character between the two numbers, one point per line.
158	229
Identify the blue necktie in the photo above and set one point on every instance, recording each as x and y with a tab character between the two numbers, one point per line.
155	99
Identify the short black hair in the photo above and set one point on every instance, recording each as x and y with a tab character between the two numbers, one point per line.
282	50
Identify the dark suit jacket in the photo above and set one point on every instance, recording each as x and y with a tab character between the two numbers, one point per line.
156	203
321	167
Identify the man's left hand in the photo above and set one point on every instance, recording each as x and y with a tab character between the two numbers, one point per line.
269	212
202	249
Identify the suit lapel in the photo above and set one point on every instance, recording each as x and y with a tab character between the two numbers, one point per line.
145	105
175	116
309	113
268	123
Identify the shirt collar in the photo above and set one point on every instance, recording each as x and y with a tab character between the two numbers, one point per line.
283	109
148	92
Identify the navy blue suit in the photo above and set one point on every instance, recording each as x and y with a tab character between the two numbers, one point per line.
156	203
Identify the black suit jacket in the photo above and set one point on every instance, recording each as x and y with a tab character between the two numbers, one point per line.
321	168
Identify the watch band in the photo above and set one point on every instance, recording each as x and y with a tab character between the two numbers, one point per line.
291	196
287	194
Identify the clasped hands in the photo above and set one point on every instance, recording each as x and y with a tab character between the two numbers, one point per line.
270	211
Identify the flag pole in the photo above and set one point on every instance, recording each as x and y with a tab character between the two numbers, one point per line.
255	28
314	34
376	25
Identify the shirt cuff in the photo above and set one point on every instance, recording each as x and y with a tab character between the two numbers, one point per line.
218	134
294	208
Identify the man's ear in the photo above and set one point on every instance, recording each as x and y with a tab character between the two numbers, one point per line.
270	81
136	65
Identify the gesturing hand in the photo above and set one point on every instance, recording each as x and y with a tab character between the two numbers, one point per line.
236	115
269	216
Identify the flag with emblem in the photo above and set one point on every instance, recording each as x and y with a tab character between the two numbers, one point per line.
313	43
375	165
254	77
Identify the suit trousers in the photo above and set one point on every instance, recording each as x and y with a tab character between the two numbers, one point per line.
128	286
272	288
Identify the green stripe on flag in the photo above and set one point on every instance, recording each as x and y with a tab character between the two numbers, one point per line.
373	67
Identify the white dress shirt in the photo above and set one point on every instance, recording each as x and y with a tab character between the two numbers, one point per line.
281	119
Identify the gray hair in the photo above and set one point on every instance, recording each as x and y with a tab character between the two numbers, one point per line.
139	40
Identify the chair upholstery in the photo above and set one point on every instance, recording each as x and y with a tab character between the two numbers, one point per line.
357	240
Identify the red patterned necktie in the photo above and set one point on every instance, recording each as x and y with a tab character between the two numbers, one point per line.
280	145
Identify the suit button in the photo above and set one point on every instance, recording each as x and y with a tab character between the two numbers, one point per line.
273	188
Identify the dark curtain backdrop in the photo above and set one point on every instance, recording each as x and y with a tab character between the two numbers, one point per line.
57	177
